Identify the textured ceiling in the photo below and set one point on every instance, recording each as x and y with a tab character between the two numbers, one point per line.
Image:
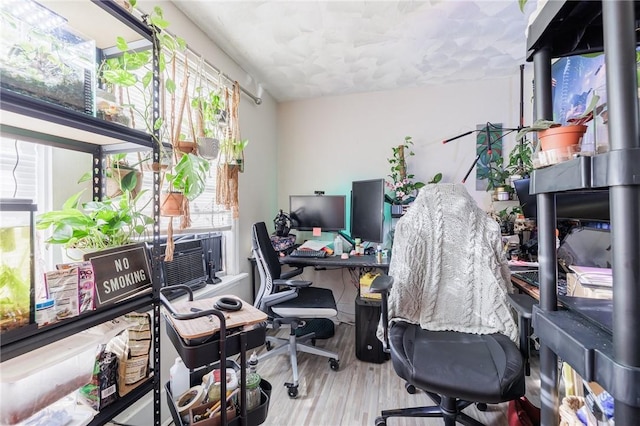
309	49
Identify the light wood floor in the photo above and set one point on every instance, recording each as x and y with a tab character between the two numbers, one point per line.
356	393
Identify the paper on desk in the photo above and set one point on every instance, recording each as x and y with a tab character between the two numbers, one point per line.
588	275
314	245
522	263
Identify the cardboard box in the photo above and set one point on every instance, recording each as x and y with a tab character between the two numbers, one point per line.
576	289
365	286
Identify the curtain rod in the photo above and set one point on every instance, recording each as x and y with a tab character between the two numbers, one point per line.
256	99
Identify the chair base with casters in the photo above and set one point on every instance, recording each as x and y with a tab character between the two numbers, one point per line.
291	346
455	369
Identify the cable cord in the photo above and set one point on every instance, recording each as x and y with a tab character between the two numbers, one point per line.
15	166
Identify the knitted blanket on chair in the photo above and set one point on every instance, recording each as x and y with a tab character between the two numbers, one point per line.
447	266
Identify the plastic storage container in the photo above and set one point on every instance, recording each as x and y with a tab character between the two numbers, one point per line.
35	380
179	377
46	59
17	302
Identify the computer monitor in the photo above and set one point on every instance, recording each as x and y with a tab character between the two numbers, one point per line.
327	212
582	205
367	210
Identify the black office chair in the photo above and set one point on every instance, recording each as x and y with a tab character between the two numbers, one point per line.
455	368
289	302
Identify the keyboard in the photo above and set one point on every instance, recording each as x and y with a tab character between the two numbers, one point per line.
308	253
530	277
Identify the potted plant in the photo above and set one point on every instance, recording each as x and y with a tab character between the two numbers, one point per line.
232	151
521	160
208	104
552	135
187	181
403	188
96	225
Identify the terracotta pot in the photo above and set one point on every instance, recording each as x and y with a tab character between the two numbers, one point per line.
185	147
171	204
561	137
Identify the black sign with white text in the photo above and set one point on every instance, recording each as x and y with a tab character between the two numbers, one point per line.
120	272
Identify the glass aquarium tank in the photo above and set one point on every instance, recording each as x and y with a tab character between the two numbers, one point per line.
17	307
42	57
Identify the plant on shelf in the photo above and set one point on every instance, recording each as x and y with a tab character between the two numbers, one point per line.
96	225
521	159
403	187
497	175
576	125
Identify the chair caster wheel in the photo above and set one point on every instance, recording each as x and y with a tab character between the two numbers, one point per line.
410	388
334	364
381	421
481	406
268	346
292	391
313	342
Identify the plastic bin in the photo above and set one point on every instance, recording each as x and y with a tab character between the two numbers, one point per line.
197	355
35	380
254	417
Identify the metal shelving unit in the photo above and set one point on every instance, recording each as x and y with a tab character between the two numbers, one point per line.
610	357
44	123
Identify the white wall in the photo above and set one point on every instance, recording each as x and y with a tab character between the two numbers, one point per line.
326	143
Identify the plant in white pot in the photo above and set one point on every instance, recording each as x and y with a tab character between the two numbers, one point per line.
96	225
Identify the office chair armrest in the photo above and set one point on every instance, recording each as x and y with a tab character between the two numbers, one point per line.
292	283
292	273
522	303
381	284
275	298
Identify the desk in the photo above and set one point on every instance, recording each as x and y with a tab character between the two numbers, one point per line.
367	312
525	287
365	261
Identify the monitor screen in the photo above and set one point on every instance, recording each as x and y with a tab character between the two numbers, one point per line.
367	210
327	212
583	205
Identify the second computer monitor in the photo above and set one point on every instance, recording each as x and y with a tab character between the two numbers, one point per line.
327	212
367	210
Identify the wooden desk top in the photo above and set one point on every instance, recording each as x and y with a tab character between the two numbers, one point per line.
207	325
526	288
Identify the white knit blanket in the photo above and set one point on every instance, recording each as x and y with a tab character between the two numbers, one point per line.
447	266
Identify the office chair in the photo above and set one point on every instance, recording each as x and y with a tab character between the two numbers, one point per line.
289	302
447	324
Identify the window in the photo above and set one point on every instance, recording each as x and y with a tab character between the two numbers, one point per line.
24	167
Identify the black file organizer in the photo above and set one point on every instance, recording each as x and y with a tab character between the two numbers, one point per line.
209	353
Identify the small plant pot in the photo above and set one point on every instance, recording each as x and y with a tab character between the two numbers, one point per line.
561	137
208	148
171	204
185	147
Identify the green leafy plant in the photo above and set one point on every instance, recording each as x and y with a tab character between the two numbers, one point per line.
581	119
403	187
208	104
521	159
96	224
497	175
232	150
133	70
189	176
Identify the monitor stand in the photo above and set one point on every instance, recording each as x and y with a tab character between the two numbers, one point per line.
348	238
